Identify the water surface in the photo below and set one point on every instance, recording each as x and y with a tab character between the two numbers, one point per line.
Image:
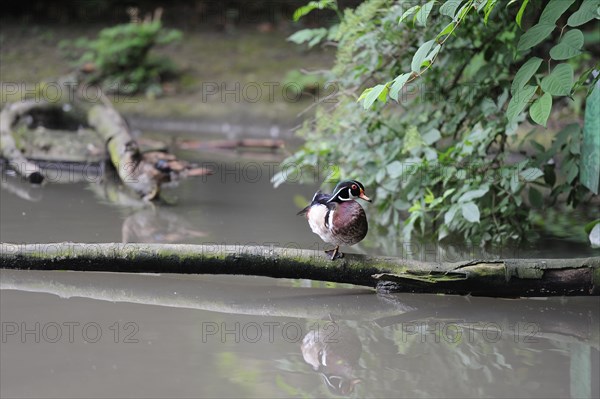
71	334
226	336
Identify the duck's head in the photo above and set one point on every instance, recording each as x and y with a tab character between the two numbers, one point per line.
349	190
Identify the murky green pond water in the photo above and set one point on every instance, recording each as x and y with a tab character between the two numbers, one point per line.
71	334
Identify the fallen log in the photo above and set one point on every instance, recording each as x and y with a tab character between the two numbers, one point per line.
8	148
496	278
142	171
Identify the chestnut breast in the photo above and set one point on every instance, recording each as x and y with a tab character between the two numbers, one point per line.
349	223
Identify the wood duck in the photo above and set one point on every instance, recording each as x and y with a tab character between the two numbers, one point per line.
337	218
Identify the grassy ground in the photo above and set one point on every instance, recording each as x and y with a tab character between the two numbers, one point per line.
249	64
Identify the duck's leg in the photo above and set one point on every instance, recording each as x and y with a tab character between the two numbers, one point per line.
335	253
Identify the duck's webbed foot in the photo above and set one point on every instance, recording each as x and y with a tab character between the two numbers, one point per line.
335	253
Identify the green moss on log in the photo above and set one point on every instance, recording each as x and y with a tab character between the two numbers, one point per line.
507	278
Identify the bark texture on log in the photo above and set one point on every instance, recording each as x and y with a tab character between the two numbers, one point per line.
497	278
123	149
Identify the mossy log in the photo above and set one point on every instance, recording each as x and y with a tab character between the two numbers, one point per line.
497	278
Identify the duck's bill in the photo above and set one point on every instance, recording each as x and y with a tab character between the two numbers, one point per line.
363	196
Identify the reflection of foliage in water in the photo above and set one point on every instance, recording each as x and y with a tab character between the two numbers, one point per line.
423	353
466	366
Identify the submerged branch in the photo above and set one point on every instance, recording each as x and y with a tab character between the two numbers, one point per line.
498	278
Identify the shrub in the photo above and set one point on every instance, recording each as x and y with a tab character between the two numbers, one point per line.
120	59
449	90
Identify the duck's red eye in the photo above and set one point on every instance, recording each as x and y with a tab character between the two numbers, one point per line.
354	187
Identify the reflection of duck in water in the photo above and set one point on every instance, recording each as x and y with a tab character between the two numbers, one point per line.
334	356
157	225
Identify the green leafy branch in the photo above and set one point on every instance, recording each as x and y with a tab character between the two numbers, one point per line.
560	81
315	36
428	52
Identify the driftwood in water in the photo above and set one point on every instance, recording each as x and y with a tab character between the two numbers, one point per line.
143	172
8	117
498	278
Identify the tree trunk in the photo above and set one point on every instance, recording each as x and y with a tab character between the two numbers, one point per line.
497	278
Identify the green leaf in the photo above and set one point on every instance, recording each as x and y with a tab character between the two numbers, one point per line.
554	10
364	94
408	12
535	35
433	53
587	12
515	184
401	205
313	36
470	212
531	174
575	147
540	109
535	198
569	45
394	169
432	136
525	73
489	7
521	11
446	30
549	175
582	79
449	215
590	152
398	84
382	97
470	195
423	13
560	80
279	178
572	172
429	197
421	55
449	8
313	5
412	140
519	101
462	12
375	94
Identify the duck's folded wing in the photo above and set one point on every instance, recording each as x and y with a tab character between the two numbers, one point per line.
318	198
